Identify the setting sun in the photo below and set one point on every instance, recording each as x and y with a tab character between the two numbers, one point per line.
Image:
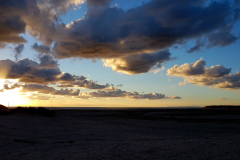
11	97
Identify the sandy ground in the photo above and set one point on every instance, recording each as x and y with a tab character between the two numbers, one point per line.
118	135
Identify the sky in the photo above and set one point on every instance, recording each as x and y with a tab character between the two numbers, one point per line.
119	53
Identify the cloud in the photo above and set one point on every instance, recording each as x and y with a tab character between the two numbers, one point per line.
97	7
18	50
98	3
197	73
62	6
197	47
222	37
118	93
45	72
37	88
222	99
110	32
47	61
151	27
138	63
175	47
39	78
38	17
38	97
12	24
68	92
29	71
82	82
45	91
41	48
196	68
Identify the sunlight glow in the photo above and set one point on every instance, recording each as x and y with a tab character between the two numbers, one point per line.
11	97
1	83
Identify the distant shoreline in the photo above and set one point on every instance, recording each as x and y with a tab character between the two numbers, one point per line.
108	108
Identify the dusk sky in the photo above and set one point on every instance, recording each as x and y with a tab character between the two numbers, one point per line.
119	53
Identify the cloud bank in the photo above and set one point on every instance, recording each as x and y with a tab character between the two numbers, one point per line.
197	73
45	77
45	72
44	91
114	33
111	32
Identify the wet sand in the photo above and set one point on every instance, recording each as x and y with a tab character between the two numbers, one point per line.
122	134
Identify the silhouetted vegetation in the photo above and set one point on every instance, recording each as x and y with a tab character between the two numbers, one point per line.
33	110
3	110
222	107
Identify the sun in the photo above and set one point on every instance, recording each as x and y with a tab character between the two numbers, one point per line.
11	97
1	83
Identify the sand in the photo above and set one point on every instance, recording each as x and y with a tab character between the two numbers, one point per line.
87	134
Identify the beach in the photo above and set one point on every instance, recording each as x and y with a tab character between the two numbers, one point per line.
122	134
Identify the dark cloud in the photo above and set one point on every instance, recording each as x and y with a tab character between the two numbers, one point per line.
175	47
111	32
218	75
85	83
90	84
138	63
118	93
237	9
41	48
148	28
47	61
237	2
11	22
98	3
69	92
222	37
217	71
47	72
38	88
18	50
28	71
44	89
44	24
96	7
197	47
38	17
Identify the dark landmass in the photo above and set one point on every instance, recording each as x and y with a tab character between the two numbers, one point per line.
172	134
222	107
33	110
3	110
26	110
